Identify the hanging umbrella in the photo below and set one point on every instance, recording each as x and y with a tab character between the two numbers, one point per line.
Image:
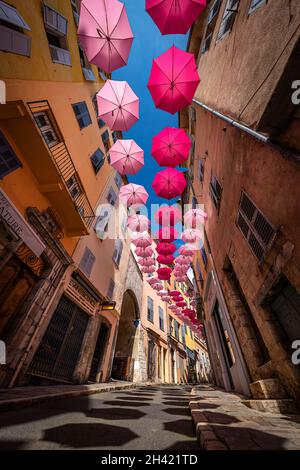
195	218
133	194
171	147
174	293
126	157
164	273
168	215
173	307
166	234
146	261
157	286
148	269
181	304
118	105
175	16
144	252
152	280
138	223
179	298
166	248
141	240
188	250
162	293
181	278
165	259
191	235
169	183
173	80
183	260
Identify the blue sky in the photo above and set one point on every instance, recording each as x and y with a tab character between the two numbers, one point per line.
148	44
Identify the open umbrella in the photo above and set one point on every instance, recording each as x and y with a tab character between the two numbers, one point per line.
174	293
195	218
146	261
166	234
171	147
168	215
181	304
138	223
174	16
152	280
148	269
169	183
141	240
144	252
190	235
173	80
188	250
166	248
118	105
165	259
126	157
104	33
183	260
164	274
133	194
158	286
162	293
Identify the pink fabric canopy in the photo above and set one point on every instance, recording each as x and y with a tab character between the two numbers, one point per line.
118	105
164	273
166	248
144	252
157	286
169	183
191	235
133	194
126	157
188	250
171	147
141	240
146	261
104	33
195	218
166	234
174	293
174	16
168	215
173	80
165	259
148	269
138	223
152	280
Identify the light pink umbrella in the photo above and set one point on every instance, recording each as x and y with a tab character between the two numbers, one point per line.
138	223
157	286
174	16
173	80
148	269
146	261
162	293
166	248
180	271
152	280
104	33
169	183
126	157
144	252
166	234
133	194
166	298
183	260
118	105
173	307
191	235
188	250
195	218
171	147
168	215
141	240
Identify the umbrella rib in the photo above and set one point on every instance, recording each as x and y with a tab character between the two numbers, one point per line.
117	98
117	52
184	67
102	31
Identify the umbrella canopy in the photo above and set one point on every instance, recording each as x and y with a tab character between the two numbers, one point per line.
158	286
144	252
118	105
146	261
141	240
181	278
169	183
181	304
188	250
178	298
171	147
126	157
166	248
183	260
168	215
174	293
166	234
152	280
195	218
104	33
138	223
133	194
148	269
174	16
191	235
173	80
173	307
165	259
162	293
164	273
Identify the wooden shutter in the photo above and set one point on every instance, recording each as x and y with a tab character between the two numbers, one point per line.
8	159
55	21
13	41
111	288
111	197
11	15
87	262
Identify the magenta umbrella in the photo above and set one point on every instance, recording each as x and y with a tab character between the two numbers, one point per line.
165	259
118	105
133	194
166	248
194	218
168	215
157	286
144	252
169	183
174	16
126	157
104	33
138	223
164	274
173	80
171	147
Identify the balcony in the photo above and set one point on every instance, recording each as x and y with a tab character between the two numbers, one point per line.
48	158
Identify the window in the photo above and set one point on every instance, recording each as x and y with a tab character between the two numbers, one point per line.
254	4
111	288
8	159
87	262
47	130
75	11
101	123
176	329
118	252
201	171
183	326
161	319
150	313
211	22
115	137
215	190
199	273
257	230
111	197
106	141
204	256
97	160
171	325
102	223
228	18
56	26
86	68
74	187
82	114
118	180
12	37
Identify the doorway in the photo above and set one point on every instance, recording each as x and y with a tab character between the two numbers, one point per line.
96	374
224	340
151	360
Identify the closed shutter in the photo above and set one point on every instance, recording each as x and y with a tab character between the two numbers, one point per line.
118	252
8	159
87	262
60	56
111	288
111	197
150	309
54	21
13	41
102	223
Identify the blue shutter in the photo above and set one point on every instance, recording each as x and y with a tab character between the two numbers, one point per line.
8	159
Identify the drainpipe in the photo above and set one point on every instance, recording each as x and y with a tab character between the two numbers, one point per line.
287	153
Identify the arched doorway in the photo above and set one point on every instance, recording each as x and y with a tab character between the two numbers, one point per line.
123	364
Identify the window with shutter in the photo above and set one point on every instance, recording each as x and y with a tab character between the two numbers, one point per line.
204	256
118	180
199	273
106	141
87	262
118	252
98	159
15	42
257	230
46	128
82	114
215	190
228	18
201	171
111	288
102	223
74	187
150	313
55	21
211	22
256	4
161	319
8	159
111	197
9	14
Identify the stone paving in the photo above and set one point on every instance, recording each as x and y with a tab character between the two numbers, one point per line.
223	422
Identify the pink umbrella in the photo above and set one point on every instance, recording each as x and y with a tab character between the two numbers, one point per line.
168	215
146	261
173	307
165	259
118	105
179	298
167	234
181	304
126	157
183	260
173	80
195	218
191	235
169	183
138	223
174	16
152	280
162	293
188	250
171	147
164	274
166	248
157	286
181	279
133	194
174	293
141	240
148	269
144	252
104	33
